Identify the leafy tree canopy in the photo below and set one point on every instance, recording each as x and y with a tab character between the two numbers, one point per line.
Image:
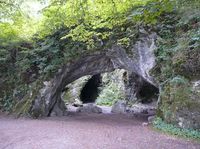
20	19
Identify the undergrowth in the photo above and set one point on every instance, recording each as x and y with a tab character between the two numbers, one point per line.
159	124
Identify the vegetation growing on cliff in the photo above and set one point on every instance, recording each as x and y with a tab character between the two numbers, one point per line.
33	47
178	65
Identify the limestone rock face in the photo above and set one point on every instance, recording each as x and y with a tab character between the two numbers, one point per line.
50	94
140	62
73	90
137	89
59	109
132	85
119	107
147	109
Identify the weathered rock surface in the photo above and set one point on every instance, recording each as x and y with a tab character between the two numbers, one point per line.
71	93
119	107
147	109
59	109
151	119
137	89
89	108
140	62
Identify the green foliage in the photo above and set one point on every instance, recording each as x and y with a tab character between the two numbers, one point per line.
15	23
179	101
124	42
6	103
174	96
15	92
110	94
112	89
89	20
173	130
178	45
150	12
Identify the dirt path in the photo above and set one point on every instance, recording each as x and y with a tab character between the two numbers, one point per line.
81	131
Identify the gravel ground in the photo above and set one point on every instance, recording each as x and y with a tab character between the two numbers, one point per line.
85	131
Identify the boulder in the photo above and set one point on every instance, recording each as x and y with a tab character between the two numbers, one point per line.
77	103
151	119
89	108
119	107
139	108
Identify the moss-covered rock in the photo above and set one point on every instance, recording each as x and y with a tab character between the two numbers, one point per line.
73	90
180	103
23	106
187	63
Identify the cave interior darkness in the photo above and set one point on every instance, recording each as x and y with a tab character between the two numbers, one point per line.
147	93
90	91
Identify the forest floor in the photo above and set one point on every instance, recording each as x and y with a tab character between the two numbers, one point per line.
85	131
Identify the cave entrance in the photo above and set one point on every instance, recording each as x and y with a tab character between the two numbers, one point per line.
104	90
107	88
147	93
90	91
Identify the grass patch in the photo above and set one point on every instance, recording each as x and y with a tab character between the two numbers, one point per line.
159	124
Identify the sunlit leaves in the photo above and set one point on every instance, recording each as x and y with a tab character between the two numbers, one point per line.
15	21
150	12
85	17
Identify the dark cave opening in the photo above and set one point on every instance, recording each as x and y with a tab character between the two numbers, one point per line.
148	93
90	91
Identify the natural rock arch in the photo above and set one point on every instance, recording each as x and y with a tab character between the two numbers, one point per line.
140	62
